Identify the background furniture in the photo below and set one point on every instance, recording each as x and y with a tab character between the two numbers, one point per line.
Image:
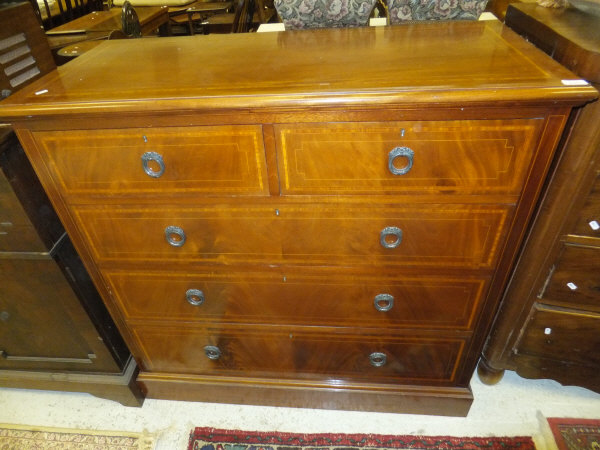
99	25
20	30
400	11
549	321
57	12
299	14
55	332
264	232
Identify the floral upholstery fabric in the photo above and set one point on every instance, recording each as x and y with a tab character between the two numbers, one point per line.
298	14
404	10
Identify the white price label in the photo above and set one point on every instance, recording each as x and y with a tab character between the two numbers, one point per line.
574	82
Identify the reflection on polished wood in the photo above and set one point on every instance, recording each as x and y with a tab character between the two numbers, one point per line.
247	221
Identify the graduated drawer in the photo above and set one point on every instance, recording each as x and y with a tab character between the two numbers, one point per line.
575	281
588	223
423	235
296	353
157	161
562	335
426	157
325	297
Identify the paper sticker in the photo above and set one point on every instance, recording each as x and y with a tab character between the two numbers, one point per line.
594	225
572	286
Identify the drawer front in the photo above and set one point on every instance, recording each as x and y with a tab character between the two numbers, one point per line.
576	279
467	157
588	223
563	335
158	161
292	353
422	235
318	298
17	234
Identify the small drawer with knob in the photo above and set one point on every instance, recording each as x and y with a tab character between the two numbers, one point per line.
588	223
325	297
209	160
446	236
418	158
574	279
296	352
562	334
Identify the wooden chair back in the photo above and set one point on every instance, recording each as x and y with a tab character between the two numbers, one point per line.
24	51
56	12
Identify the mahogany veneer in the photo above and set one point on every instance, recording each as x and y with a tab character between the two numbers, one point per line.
274	219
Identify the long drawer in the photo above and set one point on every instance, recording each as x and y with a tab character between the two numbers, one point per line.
158	161
576	279
318	297
467	157
421	235
295	353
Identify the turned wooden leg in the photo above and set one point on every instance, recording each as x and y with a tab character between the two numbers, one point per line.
487	374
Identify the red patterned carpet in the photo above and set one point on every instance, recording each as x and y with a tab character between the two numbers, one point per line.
576	434
214	439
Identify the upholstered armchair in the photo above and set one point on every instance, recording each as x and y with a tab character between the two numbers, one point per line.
297	14
414	10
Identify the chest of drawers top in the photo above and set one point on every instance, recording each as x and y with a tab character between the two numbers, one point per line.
426	64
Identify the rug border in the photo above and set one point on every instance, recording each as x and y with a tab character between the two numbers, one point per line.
132	434
554	423
368	440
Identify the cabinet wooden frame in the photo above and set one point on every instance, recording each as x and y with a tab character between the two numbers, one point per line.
306	233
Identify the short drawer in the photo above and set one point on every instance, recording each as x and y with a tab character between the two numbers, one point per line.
158	161
576	279
295	353
421	235
324	297
563	335
427	157
588	223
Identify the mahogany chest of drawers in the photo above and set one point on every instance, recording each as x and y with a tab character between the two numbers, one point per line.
273	219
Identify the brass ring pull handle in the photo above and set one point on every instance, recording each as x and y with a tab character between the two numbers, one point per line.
386	233
383	302
377	359
400	152
195	297
212	352
175	236
156	158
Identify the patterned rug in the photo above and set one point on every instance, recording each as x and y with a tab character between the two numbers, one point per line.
576	434
213	439
19	437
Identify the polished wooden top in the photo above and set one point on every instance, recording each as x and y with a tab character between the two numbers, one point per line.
575	35
412	65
